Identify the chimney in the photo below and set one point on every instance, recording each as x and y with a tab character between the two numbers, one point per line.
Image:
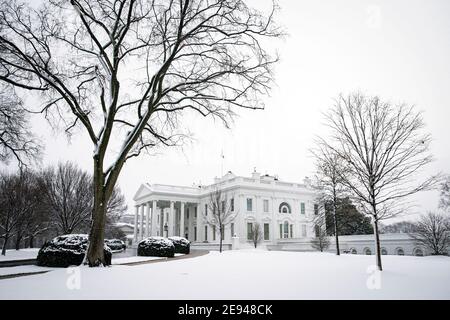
256	175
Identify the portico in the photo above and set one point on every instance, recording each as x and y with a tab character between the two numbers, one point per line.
165	218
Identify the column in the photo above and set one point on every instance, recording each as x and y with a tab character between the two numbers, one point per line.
136	212
147	218
171	222
275	227
141	225
182	220
154	218
197	222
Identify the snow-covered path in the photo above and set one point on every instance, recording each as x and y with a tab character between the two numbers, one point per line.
22	254
245	274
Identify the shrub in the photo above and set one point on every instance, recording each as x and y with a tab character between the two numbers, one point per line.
156	247
182	245
66	250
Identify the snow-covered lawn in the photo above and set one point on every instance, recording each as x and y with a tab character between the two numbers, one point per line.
22	254
246	274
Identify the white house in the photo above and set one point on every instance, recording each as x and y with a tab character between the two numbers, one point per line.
284	210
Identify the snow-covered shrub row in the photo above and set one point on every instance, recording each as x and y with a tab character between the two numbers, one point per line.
156	247
182	245
67	250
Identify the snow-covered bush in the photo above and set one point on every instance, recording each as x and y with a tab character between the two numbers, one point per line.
115	244
67	250
156	247
182	245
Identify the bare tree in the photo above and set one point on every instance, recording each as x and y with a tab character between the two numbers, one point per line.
16	140
68	194
220	213
321	241
198	55
329	170
257	234
433	231
445	193
385	148
18	201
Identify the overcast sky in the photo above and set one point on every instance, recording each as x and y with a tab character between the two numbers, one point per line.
398	50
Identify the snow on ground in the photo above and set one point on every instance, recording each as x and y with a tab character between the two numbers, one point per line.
133	259
22	269
22	254
244	274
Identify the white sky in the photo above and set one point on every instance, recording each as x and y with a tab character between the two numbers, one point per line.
398	50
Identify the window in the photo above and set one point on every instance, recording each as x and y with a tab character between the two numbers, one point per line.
232	229
316	209
384	251
195	233
291	230
249	231
195	212
317	231
400	252
206	233
284	208
266	205
232	204
266	231
304	230
281	231
249	204
418	252
206	209
286	230
302	208
214	233
367	251
353	251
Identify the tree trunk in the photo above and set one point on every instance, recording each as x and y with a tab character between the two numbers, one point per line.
336	228
4	245
221	237
31	242
95	255
18	239
378	246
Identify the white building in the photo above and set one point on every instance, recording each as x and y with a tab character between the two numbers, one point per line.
284	210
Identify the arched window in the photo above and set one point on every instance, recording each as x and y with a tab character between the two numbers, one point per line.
367	251
400	252
418	252
286	230
353	251
384	251
284	208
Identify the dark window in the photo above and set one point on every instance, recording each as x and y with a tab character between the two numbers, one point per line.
316	209
249	231
266	231
206	209
214	233
232	229
206	233
232	204
195	233
249	204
